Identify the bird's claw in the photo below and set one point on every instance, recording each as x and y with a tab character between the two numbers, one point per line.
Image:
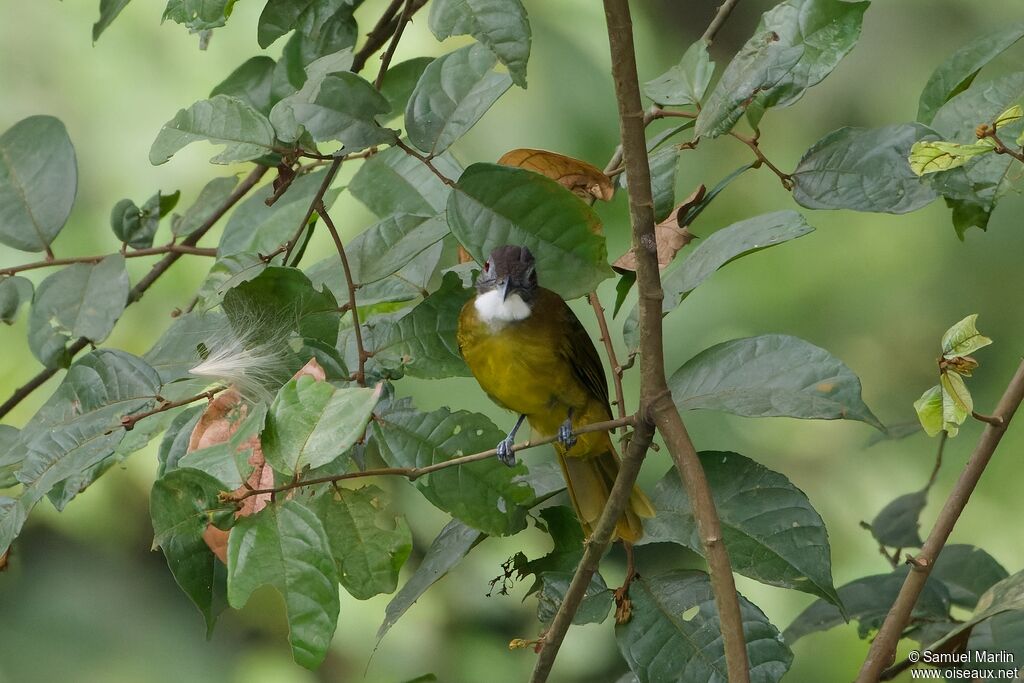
565	435
506	454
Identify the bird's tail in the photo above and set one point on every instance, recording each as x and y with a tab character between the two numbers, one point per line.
589	481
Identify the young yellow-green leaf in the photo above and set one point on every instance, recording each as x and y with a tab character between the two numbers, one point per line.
285	545
769	527
14	291
251	83
212	196
369	544
222	120
344	108
450	97
686	82
932	156
957	73
181	505
1011	115
774	375
312	423
864	169
501	25
493	205
109	9
38	182
963	338
199	15
82	300
957	403
929	410
674	635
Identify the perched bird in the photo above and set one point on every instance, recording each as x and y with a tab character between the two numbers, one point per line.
532	356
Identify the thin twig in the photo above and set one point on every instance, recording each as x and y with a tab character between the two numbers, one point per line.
129	421
158	269
717	21
751	142
883	648
987	419
318	199
938	461
426	161
413	473
381	32
360	376
148	251
609	349
385	60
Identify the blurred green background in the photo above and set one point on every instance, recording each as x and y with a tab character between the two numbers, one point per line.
86	600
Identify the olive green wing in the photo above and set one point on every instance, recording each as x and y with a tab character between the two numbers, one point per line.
579	351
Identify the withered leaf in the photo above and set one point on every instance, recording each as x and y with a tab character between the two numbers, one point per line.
582	179
670	236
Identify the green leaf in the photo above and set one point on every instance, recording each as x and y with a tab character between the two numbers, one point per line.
597	601
898	524
1005	596
770	529
250	83
281	16
395	182
663	165
14	291
773	375
370	545
222	120
686	82
109	9
312	423
963	338
422	343
342	108
445	552
136	226
401	80
38	182
198	15
482	494
282	115
932	156
77	427
957	73
929	410
384	247
82	300
283	298
957	403
864	169
228	461
213	195
998	638
285	545
10	458
826	30
867	601
674	635
497	205
181	505
332	34
967	572
452	94
759	65
177	350
256	228
501	25
175	442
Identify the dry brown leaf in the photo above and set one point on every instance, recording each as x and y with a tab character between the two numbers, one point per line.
669	235
4	557
579	177
465	256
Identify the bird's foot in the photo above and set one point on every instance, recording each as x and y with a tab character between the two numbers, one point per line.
506	454
565	435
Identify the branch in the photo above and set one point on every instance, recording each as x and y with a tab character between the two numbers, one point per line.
883	648
655	400
318	200
129	421
426	161
751	142
413	473
158	269
149	251
718	20
360	376
609	348
385	60
382	31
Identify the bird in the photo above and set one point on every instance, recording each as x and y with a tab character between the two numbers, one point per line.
531	355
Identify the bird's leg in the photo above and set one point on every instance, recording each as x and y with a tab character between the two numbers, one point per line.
505	452
623	605
565	435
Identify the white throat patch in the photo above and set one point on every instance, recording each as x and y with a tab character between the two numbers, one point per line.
496	312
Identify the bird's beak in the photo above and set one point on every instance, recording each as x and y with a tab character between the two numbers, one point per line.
505	290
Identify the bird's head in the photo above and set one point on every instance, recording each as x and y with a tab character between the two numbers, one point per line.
507	285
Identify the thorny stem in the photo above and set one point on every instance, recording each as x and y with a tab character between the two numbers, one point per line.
360	376
149	251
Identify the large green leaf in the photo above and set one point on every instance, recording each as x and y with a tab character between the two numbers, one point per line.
78	427
401	80
174	444
281	16
312	423
199	15
282	299
770	529
409	283
422	343
256	228
967	572
38	182
229	461
222	120
593	609
760	64
720	248
957	73
181	505
1005	596
109	9
369	544
501	25
445	552
213	195
282	115
864	169
14	291
483	494
177	350
395	182
452	94
337	33
675	637
774	375
826	30
386	246
497	205
285	545
82	300
251	83
343	108
686	82
10	458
